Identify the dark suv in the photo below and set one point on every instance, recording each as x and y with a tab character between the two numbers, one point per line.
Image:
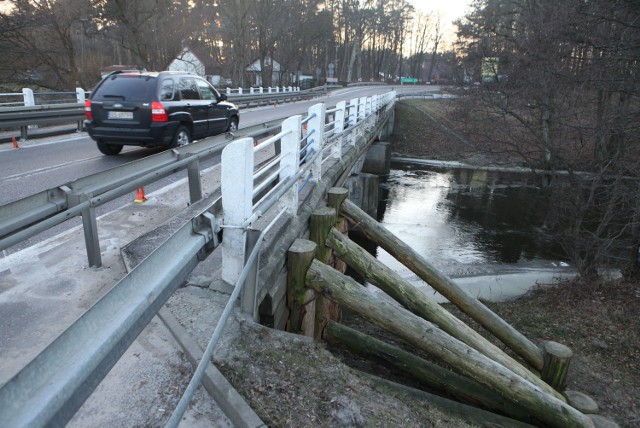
151	109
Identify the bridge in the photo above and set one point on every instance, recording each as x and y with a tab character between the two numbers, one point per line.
228	239
229	257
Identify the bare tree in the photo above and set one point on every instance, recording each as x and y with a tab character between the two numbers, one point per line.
560	92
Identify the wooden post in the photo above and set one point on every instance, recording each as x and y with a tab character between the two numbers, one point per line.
436	377
469	414
335	197
299	257
423	306
320	223
443	284
434	342
557	358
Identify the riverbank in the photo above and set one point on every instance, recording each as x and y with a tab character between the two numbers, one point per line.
599	321
292	381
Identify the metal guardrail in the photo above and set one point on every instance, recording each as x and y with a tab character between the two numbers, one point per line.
29	216
23	117
53	386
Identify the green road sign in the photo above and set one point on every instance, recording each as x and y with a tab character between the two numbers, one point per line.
408	80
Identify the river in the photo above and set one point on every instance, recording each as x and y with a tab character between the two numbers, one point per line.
482	228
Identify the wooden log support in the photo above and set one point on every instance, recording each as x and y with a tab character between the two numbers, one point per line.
472	415
557	358
299	257
434	342
468	304
335	198
437	378
320	223
423	306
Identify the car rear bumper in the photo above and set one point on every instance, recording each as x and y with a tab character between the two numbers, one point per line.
159	134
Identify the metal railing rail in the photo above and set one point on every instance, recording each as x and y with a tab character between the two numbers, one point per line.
24	116
53	386
29	216
50	389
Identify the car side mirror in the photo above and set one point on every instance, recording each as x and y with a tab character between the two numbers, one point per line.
223	97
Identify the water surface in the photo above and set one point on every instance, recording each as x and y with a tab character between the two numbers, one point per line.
485	229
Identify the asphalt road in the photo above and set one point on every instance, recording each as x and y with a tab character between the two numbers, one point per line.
42	164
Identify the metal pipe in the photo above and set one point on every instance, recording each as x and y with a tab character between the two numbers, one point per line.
178	412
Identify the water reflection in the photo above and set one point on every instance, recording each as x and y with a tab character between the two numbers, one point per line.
468	222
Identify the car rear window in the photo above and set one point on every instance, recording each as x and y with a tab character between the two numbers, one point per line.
132	88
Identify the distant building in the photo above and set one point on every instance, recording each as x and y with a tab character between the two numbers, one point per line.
189	62
254	72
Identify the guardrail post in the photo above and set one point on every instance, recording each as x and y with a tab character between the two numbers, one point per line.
316	140
237	192
228	91
81	96
29	99
239	91
251	90
289	160
338	128
261	90
195	184
269	89
89	226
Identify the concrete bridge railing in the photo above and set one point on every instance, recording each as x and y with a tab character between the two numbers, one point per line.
304	150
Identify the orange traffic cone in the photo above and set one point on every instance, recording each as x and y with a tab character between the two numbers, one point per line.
15	143
140	195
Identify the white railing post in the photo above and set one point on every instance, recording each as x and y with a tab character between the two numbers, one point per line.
261	90
269	90
228	90
277	89
290	89
315	127
290	160
27	96
239	91
338	128
237	194
251	90
80	95
353	121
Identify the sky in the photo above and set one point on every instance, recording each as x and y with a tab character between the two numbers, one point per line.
449	10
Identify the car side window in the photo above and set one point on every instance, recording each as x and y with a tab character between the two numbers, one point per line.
188	89
206	91
167	90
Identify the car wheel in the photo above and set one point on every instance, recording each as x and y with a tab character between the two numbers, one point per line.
233	124
182	137
109	149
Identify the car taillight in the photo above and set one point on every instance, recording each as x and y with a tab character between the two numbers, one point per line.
158	113
87	110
